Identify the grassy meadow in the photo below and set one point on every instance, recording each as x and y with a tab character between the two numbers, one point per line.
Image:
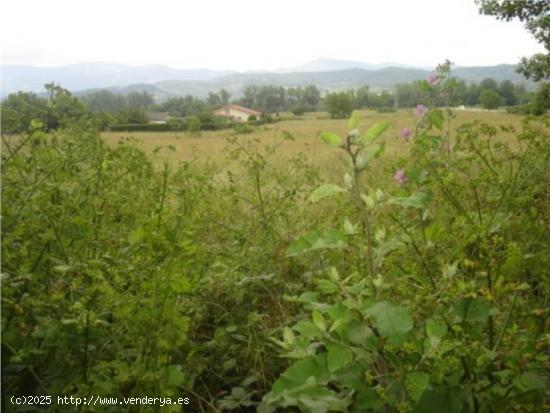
212	145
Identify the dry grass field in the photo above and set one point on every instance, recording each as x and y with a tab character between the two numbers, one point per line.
212	145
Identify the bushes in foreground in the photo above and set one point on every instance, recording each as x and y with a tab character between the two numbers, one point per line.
417	284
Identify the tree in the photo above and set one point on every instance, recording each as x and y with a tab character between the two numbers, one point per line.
193	123
62	106
488	84
224	96
139	100
132	115
507	90
297	109
490	99
339	105
19	109
541	101
536	16
362	97
213	99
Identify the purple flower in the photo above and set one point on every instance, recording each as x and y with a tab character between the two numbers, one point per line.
432	79
420	110
400	176
406	133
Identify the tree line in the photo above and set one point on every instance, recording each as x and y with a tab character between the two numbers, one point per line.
106	109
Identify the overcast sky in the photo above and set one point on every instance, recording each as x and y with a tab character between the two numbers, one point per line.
256	34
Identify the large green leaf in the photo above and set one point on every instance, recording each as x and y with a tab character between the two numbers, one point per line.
367	398
474	310
299	372
367	154
338	356
391	321
417	383
373	132
440	400
529	381
436	328
325	190
353	120
304	385
331	139
317	240
359	333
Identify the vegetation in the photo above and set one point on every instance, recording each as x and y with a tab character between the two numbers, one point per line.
396	261
415	280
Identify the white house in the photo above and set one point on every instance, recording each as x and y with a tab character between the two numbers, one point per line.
158	117
236	112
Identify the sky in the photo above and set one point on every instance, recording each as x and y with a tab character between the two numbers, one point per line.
256	34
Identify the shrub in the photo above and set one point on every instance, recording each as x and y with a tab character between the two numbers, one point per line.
193	123
242	128
339	105
141	127
490	99
298	110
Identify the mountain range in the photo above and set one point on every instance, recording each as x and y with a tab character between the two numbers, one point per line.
164	81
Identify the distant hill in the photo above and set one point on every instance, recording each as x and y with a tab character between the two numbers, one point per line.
94	75
164	81
329	65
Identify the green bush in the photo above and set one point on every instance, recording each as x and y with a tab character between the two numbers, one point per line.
298	110
490	99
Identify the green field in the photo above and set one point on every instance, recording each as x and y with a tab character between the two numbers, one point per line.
213	144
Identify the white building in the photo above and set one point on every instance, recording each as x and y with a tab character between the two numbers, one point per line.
236	112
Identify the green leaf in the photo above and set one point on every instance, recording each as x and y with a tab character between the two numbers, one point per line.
368	398
175	376
353	120
475	310
391	321
288	336
325	190
338	356
373	132
316	240
331	139
298	374
528	382
358	333
319	320
307	329
417	200
367	154
369	201
436	328
417	384
349	229
327	286
443	399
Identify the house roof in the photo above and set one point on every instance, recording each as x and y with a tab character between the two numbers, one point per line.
240	108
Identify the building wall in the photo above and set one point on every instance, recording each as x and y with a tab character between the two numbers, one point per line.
232	113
